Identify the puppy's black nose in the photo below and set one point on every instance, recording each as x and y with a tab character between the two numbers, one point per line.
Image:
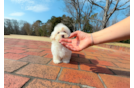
62	36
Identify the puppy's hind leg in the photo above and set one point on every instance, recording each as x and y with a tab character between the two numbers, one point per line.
56	59
66	59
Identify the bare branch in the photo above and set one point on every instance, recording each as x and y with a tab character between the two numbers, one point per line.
110	2
92	2
122	8
70	11
70	8
124	3
90	10
113	10
115	5
97	20
83	4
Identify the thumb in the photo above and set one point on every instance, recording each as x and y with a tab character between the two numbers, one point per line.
73	34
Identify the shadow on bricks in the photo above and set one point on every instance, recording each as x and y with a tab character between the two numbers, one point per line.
98	66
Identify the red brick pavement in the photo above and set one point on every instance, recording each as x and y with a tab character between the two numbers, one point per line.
29	64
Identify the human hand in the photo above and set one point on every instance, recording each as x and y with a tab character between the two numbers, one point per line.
82	41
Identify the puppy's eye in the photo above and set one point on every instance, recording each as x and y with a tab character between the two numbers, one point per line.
58	32
65	31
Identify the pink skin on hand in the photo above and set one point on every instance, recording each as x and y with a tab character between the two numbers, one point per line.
82	41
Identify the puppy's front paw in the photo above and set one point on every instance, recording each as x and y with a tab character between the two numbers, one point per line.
56	61
66	61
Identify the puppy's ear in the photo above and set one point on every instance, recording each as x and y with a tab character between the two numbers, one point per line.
52	37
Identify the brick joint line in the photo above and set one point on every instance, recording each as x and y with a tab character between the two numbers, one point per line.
49	62
85	86
119	57
111	71
78	66
102	81
44	55
20	68
59	73
32	78
27	83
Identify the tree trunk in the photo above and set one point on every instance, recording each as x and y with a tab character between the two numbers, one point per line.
103	25
105	15
74	27
79	26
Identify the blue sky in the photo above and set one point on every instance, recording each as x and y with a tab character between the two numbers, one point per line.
32	10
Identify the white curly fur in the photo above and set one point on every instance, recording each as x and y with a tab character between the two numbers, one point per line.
59	52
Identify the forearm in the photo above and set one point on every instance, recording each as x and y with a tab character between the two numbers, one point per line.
117	32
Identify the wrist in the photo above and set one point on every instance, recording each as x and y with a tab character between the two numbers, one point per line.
95	37
92	40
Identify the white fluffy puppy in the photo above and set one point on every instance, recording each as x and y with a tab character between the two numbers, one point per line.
59	52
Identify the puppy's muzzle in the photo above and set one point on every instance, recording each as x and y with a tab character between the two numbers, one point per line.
62	36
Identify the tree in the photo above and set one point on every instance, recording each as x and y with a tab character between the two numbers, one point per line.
68	21
8	26
88	28
127	12
52	23
12	26
114	21
44	31
113	5
40	22
75	8
88	23
15	26
88	16
27	28
49	28
6	31
23	31
21	27
36	26
81	12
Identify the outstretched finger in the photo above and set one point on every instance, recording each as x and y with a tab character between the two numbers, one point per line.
64	44
70	47
74	34
65	40
76	48
67	45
